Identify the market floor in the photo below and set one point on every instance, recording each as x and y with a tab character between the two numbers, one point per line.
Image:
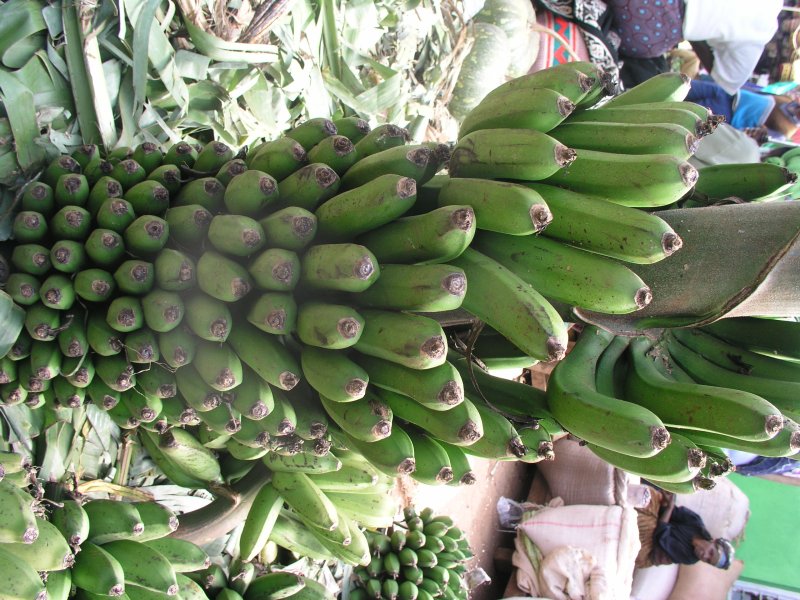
474	510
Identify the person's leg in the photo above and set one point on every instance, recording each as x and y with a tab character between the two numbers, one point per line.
647	28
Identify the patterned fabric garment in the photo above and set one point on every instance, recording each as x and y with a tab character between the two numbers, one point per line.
647	28
590	15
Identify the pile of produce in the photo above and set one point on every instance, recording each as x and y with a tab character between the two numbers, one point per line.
420	558
267	323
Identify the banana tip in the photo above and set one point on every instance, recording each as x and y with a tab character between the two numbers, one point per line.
643	297
468	478
407	466
555	349
696	458
659	438
671	242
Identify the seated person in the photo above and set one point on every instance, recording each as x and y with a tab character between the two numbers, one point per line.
675	534
747	109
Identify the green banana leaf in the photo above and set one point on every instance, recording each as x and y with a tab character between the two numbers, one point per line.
12	318
737	260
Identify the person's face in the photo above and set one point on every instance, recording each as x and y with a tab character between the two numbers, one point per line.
706	550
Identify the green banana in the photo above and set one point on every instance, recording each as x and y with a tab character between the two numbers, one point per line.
212	156
94	285
188	224
250	193
175	271
375	509
277	584
106	247
312	131
646	113
236	235
368	419
143	566
148	197
222	278
259	522
350	477
274	312
98	572
680	461
253	397
499	205
22	582
519	313
275	269
775	337
279	158
638	180
17	519
180	154
23	288
517	399
159	521
207	192
67	256
718	409
664	87
437	236
38	196
380	138
365	207
336	151
594	417
431	460
59	585
265	355
208	318
418	162
289	532
463	473
598	225
782	395
48	552
33	259
576	80
332	374
748	181
521	154
566	274
785	443
391	455
736	358
341	267
327	325
111	520
438	388
539	108
461	425
658	138
304	462
218	365
72	521
189	455
414	341
71	223
306	499
500	438
308	187
291	228
29	227
135	277
612	368
354	128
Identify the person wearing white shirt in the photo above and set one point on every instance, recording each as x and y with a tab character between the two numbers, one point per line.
728	35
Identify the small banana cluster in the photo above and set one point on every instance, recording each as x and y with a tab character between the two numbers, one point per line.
317	509
101	548
667	409
419	558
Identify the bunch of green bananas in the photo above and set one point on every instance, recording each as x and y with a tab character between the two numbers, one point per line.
419	558
317	508
666	409
100	548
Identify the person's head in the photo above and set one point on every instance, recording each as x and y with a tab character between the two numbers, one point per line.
718	552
